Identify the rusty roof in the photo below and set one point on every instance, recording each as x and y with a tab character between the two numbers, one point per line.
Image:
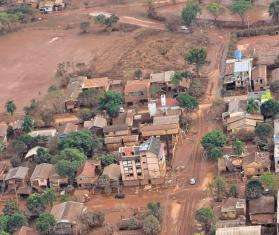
262	205
96	83
136	85
87	170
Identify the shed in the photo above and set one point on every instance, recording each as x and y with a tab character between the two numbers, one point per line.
41	175
97	83
86	175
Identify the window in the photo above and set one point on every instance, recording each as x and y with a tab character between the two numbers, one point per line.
128	168
261	81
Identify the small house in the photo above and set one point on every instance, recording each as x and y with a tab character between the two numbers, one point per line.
57	181
41	175
137	92
68	128
98	84
116	86
232	208
259	77
50	133
117	130
68	217
86	176
262	210
16	178
256	163
238	73
96	125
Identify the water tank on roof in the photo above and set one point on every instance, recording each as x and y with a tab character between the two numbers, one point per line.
152	107
238	55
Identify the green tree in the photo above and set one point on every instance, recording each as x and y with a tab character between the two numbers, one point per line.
214	138
270	108
254	189
16	221
45	223
42	156
85	114
81	140
10	107
274	10
186	101
178	76
196	56
138	73
233	191
4	220
10	132
156	210
217	187
27	124
111	102
215	9
49	196
269	180
238	147
84	26
240	7
264	130
10	207
107	21
108	159
215	152
205	216
36	204
68	161
151	225
93	219
252	106
2	147
190	12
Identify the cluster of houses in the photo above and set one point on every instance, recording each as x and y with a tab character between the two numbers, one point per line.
143	137
234	213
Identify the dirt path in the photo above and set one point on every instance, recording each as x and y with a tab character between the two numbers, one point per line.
190	153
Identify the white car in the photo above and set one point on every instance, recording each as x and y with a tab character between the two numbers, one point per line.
192	181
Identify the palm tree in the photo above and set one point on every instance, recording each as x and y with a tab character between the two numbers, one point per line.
10	107
274	10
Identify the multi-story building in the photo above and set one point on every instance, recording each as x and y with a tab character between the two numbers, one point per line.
143	164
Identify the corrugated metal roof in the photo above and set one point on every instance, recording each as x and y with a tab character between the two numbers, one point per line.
245	230
243	66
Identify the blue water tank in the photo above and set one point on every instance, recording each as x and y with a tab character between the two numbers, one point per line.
238	55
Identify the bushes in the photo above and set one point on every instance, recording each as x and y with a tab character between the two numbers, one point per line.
130	224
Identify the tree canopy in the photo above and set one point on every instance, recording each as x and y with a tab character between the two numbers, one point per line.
264	130
215	9
214	138
28	124
238	146
186	101
254	189
45	223
42	156
151	225
196	56
215	152
205	216
10	207
10	107
270	180
81	140
36	204
252	106
240	7
270	108
111	102
190	12
274	10
108	21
